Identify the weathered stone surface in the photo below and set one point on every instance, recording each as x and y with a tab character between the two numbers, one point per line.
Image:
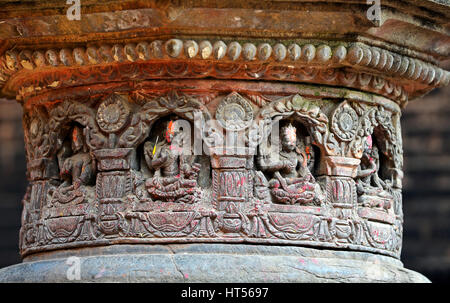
227	263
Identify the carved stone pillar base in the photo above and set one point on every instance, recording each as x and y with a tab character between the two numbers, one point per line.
149	123
227	263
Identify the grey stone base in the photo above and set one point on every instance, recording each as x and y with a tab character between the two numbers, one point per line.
229	263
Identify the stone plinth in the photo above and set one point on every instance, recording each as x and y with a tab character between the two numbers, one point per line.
204	263
168	149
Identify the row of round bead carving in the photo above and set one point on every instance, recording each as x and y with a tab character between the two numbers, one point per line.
355	55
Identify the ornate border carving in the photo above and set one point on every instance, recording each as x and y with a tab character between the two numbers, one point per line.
354	65
130	218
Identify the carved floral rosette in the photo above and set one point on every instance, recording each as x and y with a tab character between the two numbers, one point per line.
98	192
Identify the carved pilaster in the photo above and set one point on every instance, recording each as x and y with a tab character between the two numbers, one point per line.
114	182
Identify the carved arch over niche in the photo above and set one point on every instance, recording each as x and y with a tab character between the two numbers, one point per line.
157	108
344	133
292	182
302	110
46	131
104	129
154	108
65	114
384	128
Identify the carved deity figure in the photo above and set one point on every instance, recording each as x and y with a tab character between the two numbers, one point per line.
76	166
292	180
175	174
372	190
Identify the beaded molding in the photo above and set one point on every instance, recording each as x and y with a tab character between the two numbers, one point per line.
365	58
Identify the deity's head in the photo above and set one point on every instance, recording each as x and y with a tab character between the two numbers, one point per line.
172	134
288	137
370	149
77	139
374	154
368	145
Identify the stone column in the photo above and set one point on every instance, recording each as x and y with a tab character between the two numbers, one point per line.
265	137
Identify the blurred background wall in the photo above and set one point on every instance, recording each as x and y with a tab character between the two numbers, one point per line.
426	192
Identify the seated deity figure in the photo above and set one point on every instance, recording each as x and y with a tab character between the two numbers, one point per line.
372	191
175	174
77	168
292	181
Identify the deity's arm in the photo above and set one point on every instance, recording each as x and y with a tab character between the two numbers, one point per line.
367	172
148	153
66	168
186	159
87	170
159	161
378	182
266	164
62	155
185	163
304	172
360	187
302	165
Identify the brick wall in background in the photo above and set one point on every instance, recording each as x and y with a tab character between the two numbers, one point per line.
426	130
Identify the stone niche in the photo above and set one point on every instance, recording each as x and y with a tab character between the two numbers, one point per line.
172	150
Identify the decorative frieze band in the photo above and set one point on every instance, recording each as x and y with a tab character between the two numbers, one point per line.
358	65
104	170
